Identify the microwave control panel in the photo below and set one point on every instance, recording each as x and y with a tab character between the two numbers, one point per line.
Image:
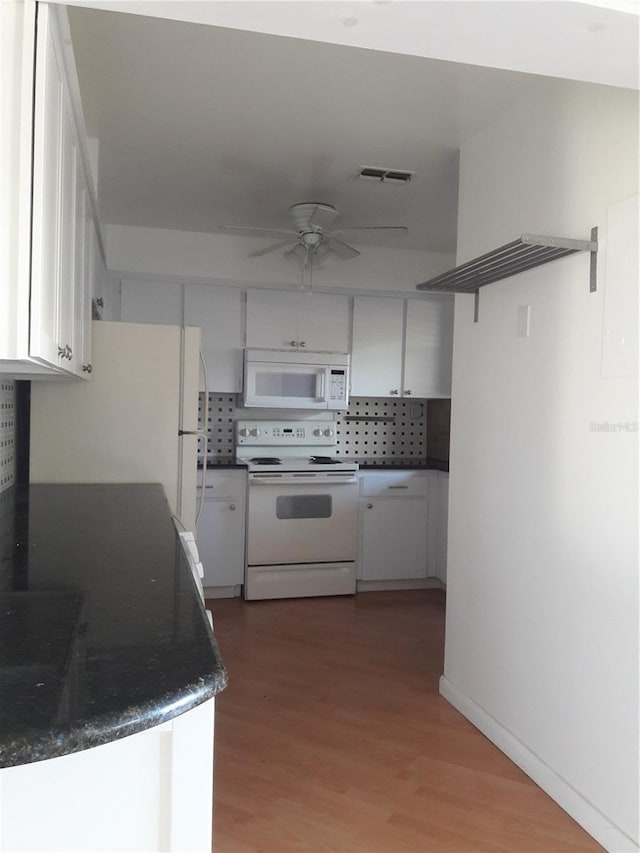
337	384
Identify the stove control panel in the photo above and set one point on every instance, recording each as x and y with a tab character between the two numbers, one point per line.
285	433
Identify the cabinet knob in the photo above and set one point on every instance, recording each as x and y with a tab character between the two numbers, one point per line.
62	352
369	506
395	391
255	432
407	393
232	506
293	343
244	432
69	352
87	368
328	433
302	344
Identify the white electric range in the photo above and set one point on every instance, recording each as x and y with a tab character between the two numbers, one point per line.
302	510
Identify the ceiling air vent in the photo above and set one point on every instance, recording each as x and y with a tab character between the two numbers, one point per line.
387	176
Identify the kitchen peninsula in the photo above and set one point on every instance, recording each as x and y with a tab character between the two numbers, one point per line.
109	671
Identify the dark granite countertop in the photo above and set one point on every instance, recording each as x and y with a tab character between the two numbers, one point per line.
223	462
102	631
415	464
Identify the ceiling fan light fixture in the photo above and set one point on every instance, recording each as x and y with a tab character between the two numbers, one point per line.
298	254
324	257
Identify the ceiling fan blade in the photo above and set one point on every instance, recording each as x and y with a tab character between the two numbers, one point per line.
272	248
401	229
250	231
341	249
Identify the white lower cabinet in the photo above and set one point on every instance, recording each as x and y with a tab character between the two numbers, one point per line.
394	537
221	532
156	787
394	516
403	528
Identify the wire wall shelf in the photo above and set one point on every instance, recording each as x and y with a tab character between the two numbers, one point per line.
525	253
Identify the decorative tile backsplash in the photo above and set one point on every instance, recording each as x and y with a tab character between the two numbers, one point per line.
371	427
220	420
382	428
7	433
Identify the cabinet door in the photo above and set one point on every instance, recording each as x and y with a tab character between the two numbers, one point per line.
48	115
290	320
82	278
218	313
272	319
323	322
151	302
394	539
376	360
428	348
83	335
69	169
220	540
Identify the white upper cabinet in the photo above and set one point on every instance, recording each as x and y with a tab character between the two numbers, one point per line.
428	348
47	304
401	348
292	320
376	359
151	302
218	313
48	162
66	240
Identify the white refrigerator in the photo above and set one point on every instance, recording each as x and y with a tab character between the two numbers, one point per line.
134	421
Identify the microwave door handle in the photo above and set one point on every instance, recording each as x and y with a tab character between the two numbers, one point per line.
322	385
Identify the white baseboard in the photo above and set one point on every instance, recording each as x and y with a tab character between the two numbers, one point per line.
613	839
379	586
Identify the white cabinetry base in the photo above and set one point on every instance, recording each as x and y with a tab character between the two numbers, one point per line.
151	792
590	819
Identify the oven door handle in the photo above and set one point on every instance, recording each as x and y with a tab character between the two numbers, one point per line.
300	481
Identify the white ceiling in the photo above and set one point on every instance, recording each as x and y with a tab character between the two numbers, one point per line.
201	126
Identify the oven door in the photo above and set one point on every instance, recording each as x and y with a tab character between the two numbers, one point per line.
301	522
285	386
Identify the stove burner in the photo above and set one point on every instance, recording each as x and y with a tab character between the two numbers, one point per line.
324	460
266	460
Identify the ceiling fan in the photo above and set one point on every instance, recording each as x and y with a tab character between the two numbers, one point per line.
311	240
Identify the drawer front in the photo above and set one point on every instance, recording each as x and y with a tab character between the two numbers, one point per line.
230	484
399	484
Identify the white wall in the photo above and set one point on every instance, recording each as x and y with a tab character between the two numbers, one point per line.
182	254
542	611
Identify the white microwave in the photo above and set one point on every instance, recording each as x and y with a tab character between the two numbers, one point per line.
296	380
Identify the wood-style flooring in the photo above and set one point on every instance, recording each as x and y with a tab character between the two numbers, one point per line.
331	736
